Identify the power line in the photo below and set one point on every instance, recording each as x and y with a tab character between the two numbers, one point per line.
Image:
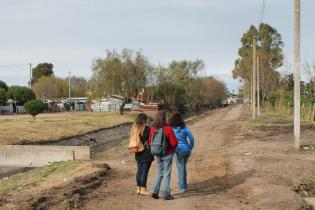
262	12
14	65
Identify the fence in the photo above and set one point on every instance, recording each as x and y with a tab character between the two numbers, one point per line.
106	107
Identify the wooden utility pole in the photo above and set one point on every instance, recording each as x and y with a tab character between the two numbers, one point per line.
251	93
30	75
254	77
297	69
70	89
258	89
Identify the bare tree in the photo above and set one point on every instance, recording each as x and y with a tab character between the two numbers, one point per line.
309	69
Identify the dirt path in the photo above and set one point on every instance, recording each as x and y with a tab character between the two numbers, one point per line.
235	165
211	178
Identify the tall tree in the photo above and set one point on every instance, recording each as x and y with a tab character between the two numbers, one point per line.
182	72
42	69
51	88
78	86
269	49
310	71
119	73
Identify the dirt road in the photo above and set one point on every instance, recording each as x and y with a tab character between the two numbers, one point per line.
227	170
234	165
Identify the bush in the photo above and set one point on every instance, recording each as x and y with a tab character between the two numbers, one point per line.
20	94
4	86
34	107
2	95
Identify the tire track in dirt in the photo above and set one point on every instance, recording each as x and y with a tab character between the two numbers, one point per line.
209	173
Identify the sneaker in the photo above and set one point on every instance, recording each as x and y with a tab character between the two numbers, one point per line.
179	191
155	196
170	197
182	190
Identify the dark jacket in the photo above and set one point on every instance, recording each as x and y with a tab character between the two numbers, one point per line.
146	155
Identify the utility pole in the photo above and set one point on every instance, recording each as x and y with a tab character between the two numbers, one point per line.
254	77
297	69
70	90
30	76
251	93
258	89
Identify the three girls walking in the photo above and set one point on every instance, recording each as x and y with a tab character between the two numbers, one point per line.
179	141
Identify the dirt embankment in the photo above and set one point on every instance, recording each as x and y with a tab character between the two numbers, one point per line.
98	141
235	165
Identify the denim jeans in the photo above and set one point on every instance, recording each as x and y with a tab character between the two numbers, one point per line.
181	162
142	173
163	174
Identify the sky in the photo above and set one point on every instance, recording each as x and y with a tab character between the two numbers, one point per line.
72	33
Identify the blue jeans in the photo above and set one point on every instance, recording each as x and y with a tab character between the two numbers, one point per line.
181	162
163	174
142	173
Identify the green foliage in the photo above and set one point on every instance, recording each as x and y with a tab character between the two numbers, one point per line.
119	73
269	49
280	97
287	82
2	95
179	87
174	86
170	95
42	69
4	86
26	180
50	87
20	94
124	143
34	107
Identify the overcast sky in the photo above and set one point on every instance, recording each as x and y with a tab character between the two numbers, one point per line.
71	33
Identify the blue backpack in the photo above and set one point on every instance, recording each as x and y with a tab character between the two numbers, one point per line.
159	143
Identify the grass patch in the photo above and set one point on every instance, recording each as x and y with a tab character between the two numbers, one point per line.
306	186
255	121
31	178
54	126
124	143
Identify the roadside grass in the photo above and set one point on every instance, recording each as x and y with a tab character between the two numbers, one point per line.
55	126
280	115
124	143
24	181
255	121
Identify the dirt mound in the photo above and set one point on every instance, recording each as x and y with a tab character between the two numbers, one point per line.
306	188
67	196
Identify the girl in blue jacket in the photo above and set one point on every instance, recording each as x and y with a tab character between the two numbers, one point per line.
183	150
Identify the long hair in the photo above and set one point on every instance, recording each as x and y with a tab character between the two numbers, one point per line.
176	120
159	119
139	124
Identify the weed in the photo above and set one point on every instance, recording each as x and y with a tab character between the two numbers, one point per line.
30	178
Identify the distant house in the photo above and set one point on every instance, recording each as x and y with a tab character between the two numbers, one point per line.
78	103
11	107
111	103
52	105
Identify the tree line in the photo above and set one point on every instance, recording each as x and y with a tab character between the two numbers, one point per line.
177	86
276	79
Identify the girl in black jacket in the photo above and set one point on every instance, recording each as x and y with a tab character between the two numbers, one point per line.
144	158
